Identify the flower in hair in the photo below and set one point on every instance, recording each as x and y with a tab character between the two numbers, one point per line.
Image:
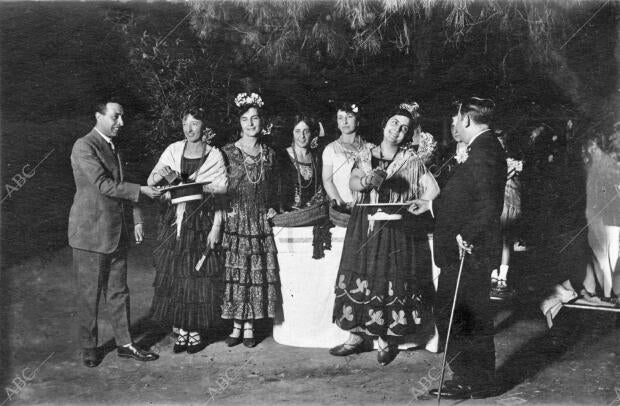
426	147
267	130
410	107
245	99
207	135
354	108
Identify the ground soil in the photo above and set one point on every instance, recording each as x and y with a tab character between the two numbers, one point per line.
576	362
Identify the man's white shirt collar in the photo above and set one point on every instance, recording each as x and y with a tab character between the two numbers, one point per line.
106	138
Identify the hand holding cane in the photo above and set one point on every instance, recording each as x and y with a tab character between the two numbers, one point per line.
463	248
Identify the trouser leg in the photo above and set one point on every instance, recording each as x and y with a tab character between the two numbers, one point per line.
471	350
88	267
118	296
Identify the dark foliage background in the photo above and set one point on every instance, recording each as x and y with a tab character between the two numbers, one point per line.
536	59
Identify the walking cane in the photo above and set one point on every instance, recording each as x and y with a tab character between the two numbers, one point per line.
445	351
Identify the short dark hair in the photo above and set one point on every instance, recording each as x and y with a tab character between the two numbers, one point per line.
479	110
197	112
101	106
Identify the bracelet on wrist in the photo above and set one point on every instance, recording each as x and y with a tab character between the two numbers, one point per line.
364	182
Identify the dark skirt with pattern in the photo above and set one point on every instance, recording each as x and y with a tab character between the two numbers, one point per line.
384	285
185	297
252	284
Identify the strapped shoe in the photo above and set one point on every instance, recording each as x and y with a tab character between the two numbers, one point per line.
181	343
386	354
196	343
249	342
232	341
501	291
345	349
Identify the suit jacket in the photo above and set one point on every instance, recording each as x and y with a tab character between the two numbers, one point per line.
96	220
471	203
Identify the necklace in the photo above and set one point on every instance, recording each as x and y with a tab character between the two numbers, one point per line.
357	145
247	158
381	154
298	167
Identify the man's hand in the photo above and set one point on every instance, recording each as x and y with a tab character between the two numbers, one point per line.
138	231
150	191
419	206
271	213
463	245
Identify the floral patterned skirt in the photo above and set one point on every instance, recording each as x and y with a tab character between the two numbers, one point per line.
252	285
384	284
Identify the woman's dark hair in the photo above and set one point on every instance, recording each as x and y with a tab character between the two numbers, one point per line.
245	107
409	110
309	120
198	113
348	108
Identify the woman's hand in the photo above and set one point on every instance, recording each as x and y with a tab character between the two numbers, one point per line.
376	178
138	231
214	237
168	173
271	213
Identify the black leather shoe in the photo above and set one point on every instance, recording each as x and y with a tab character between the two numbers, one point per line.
131	351
457	390
90	357
387	354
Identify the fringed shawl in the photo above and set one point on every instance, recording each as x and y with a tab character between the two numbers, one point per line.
213	170
406	164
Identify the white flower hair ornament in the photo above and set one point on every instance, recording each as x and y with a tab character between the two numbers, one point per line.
355	108
426	147
251	99
208	134
314	144
411	107
267	129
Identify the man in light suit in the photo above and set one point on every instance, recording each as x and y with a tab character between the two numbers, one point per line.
467	217
99	233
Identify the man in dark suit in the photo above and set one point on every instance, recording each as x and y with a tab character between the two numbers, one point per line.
98	233
467	217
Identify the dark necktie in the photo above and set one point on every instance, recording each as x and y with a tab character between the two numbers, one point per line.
118	159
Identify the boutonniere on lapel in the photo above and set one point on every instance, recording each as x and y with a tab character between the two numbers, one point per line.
461	155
